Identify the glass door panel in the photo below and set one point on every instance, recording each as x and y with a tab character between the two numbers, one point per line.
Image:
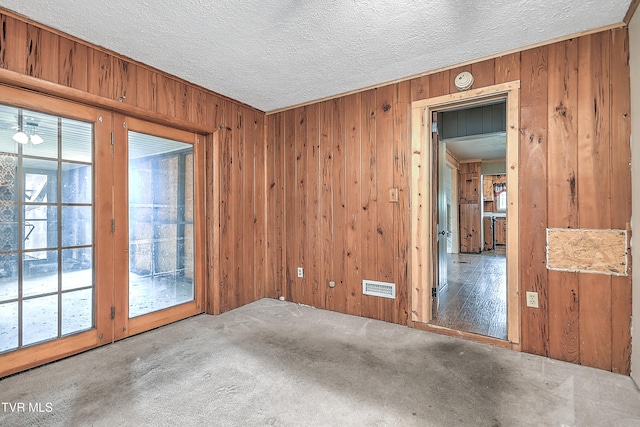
160	195
48	284
36	182
159	201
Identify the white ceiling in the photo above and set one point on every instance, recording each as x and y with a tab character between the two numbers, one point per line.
272	54
490	146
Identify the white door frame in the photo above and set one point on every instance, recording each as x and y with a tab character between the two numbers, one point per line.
423	258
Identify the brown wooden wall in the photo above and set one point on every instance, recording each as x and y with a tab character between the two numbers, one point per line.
312	190
331	166
32	50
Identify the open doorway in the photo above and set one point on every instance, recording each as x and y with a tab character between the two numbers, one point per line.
471	291
430	222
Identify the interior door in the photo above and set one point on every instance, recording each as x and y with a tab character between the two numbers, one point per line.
440	154
158	198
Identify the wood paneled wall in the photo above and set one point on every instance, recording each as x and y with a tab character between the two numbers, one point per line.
309	187
33	50
331	166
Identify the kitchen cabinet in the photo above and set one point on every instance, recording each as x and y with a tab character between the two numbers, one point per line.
501	231
470	228
488	233
487	188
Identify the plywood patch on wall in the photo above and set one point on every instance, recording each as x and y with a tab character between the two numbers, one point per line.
587	251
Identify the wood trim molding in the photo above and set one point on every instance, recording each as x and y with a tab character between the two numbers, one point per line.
421	206
21	81
420	267
466	335
473	96
49	351
632	10
212	208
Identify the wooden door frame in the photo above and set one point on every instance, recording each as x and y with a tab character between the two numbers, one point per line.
59	100
125	326
101	332
422	260
455	222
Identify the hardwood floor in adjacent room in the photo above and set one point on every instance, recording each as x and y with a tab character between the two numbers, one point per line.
475	299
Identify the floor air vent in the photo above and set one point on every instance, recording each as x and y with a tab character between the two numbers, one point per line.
379	289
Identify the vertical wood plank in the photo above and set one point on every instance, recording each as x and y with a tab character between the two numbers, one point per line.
274	202
246	227
184	100
594	178
100	73
226	212
290	261
337	297
620	194
369	194
256	138
279	214
507	68
420	218
313	244
72	64
301	293
166	95
533	201
146	89
353	277
33	47
125	79
327	245
13	46
42	54
484	73
439	83
198	111
216	104
212	293
214	111
271	193
384	230
420	88
562	208
401	165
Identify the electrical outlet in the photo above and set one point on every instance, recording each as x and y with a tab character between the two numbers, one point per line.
300	272
532	299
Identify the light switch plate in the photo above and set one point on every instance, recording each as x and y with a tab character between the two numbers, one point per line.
393	195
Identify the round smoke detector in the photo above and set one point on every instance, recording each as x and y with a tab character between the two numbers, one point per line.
464	80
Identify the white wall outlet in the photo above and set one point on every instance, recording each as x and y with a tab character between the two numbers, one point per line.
532	299
300	272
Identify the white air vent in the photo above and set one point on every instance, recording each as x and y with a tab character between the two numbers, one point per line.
379	289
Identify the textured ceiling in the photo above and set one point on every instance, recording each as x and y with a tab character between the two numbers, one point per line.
272	54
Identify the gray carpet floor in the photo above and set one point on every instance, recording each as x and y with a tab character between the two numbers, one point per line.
273	363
